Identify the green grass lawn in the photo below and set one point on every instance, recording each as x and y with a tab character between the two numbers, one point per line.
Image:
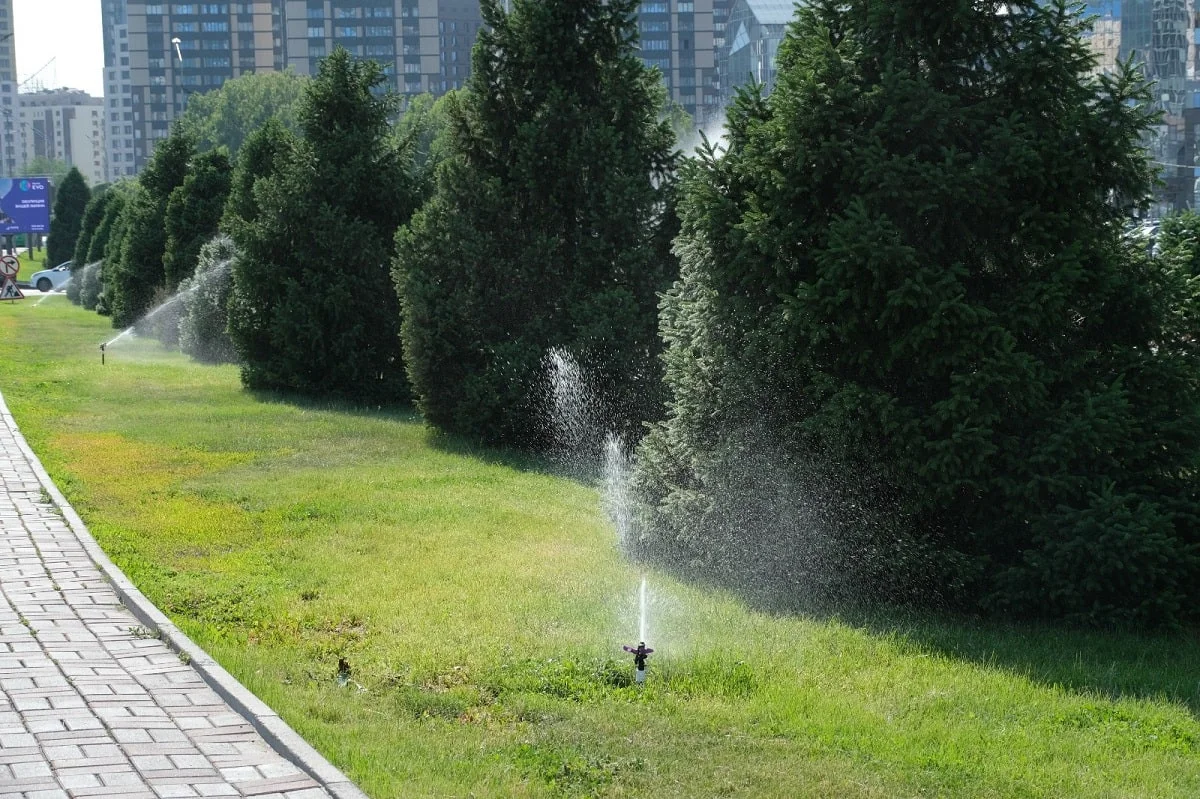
482	607
30	264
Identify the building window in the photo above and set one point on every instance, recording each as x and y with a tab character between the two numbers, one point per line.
315	32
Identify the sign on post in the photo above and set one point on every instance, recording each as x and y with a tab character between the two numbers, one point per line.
9	266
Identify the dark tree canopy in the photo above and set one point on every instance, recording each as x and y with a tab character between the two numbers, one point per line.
70	203
549	225
193	213
910	269
93	216
134	277
263	154
312	309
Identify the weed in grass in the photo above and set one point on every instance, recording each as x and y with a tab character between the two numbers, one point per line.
566	772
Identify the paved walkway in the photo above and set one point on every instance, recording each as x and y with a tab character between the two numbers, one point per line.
91	703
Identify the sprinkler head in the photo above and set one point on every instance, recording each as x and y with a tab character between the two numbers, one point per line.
640	653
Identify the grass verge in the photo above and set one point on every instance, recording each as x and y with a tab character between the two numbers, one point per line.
482	606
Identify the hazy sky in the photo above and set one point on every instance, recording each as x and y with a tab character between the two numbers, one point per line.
67	31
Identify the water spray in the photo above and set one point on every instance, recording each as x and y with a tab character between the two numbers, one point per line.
641	651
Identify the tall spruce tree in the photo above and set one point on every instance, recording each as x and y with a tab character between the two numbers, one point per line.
909	270
106	246
194	211
263	154
548	227
312	308
133	278
93	216
69	206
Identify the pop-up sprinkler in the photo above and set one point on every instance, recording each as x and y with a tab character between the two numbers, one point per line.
102	354
640	653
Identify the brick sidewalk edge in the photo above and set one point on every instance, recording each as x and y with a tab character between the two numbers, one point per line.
274	730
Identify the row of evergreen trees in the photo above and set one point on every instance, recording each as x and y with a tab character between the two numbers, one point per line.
906	349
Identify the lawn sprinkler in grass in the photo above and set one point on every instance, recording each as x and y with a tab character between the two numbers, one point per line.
586	444
128	332
640	653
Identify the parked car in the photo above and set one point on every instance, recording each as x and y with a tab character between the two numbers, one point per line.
51	279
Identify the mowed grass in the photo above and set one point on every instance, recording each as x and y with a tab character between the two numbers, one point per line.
482	605
31	263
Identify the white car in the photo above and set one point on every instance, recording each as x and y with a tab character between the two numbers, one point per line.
51	279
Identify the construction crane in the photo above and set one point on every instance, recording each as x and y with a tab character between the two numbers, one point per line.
30	79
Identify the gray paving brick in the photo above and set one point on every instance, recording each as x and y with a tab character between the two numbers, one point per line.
87	708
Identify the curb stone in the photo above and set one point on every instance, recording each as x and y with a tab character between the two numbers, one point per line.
273	729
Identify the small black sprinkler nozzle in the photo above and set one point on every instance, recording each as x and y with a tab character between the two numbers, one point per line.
640	653
102	354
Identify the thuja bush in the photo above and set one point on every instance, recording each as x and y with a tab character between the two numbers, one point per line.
203	330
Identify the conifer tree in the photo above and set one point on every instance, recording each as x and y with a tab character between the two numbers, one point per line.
910	269
105	246
548	227
133	278
69	206
93	215
312	310
193	213
263	154
203	326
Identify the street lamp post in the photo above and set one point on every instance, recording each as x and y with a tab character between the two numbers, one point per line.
176	41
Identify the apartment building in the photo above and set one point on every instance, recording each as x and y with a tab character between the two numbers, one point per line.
65	125
118	91
677	38
178	49
754	31
424	45
10	141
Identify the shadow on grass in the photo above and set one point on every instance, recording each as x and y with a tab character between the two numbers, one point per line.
519	460
1112	664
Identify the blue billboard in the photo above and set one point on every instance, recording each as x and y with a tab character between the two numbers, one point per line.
24	205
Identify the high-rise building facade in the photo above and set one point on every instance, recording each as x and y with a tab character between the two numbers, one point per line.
677	38
118	91
754	31
64	125
1161	36
178	49
424	45
10	140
